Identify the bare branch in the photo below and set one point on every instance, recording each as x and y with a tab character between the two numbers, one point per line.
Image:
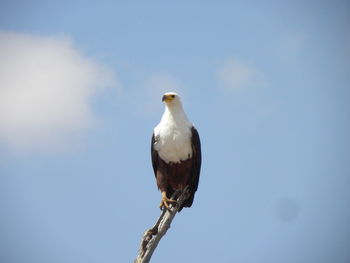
152	236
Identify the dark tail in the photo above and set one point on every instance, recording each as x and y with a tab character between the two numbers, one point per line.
188	202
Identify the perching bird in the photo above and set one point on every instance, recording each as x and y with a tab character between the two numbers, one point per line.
176	152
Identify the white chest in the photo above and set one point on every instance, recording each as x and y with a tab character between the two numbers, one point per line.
173	142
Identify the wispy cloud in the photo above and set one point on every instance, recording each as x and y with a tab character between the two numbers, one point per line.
234	75
46	85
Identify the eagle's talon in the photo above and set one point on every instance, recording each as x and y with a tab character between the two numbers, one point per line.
165	201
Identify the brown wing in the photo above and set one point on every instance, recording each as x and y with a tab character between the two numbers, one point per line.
154	156
196	166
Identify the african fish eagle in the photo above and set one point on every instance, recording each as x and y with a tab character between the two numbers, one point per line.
176	152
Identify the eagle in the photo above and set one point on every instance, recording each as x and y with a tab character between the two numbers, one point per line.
176	153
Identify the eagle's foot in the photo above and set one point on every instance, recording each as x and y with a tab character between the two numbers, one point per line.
166	201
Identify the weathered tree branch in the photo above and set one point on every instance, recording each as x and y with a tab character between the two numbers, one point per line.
152	236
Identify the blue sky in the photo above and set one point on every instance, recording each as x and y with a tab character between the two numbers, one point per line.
265	83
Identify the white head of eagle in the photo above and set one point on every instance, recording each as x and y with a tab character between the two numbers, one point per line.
176	152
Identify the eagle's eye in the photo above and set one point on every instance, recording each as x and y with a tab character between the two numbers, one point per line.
173	96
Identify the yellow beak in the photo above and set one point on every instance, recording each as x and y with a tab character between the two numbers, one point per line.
167	98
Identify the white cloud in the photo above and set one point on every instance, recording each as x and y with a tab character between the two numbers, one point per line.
46	85
235	75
